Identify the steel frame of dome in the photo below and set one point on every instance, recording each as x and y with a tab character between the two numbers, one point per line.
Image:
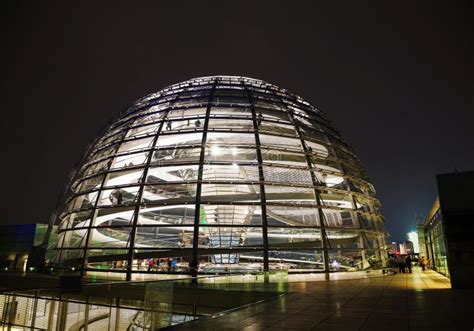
220	171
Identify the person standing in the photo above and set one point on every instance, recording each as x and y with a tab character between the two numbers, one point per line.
422	263
408	263
401	264
170	261
151	264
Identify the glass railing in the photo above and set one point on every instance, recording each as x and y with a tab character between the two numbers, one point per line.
137	305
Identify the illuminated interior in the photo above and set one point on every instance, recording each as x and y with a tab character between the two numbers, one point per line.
215	174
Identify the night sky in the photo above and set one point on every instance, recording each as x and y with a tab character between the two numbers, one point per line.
395	77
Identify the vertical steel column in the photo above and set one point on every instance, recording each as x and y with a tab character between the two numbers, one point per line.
62	315
317	193
86	315
117	314
35	308
52	308
261	176
136	213
193	264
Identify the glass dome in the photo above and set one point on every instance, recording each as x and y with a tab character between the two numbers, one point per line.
216	174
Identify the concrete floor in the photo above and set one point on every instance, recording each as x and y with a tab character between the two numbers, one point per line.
417	301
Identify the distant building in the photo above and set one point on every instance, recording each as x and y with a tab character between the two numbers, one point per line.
16	243
448	229
402	249
406	247
413	238
393	248
421	237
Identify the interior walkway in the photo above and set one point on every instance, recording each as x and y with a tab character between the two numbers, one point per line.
418	301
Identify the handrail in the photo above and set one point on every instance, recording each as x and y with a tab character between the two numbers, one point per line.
174	279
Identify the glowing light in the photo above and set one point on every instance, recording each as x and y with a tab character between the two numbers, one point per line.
234	151
215	150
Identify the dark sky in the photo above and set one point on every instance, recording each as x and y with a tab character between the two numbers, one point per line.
395	77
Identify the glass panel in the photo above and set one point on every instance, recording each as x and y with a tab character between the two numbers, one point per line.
89	184
287	175
78	219
177	193
114	217
240	111
223	237
288	193
182	125
123	177
276	128
338	219
259	103
296	260
310	127
178	140
249	260
289	238
292	216
273	114
129	160
172	174
191	102
143	130
230	193
231	124
187	112
118	196
104	236
83	201
100	252
283	157
72	238
165	237
220	139
97	167
164	157
280	142
230	173
113	255
336	199
112	138
135	145
344	239
227	153
152	118
230	215
167	215
319	149
102	153
366	222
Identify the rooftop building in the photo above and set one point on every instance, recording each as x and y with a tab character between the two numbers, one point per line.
215	174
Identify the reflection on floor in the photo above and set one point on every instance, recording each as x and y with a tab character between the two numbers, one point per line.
396	302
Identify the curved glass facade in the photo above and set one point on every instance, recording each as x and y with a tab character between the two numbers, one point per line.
220	173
